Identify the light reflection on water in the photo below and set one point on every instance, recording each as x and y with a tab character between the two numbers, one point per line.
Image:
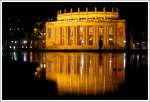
102	75
85	73
80	73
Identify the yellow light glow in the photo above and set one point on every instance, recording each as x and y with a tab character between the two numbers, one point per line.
65	33
85	73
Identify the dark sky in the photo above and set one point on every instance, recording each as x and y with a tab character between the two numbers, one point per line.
136	13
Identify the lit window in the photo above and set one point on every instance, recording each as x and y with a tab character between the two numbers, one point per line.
111	44
120	31
90	30
110	30
81	29
82	41
90	41
90	36
80	35
110	39
101	30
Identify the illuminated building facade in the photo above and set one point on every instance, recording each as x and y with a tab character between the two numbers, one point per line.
83	30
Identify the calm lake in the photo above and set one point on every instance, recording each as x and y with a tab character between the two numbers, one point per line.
74	75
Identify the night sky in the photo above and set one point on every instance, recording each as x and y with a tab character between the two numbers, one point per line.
136	13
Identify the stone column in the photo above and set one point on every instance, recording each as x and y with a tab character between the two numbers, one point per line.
97	35
60	36
67	36
104	36
54	36
72	35
86	33
107	37
115	34
94	36
62	32
63	38
113	37
75	37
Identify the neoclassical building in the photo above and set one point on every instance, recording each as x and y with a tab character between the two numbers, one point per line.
84	30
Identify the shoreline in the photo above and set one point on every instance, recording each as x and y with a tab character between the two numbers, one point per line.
82	50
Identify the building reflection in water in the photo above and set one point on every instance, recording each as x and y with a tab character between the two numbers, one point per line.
79	73
85	73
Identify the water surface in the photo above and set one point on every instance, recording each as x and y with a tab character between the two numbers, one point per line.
75	75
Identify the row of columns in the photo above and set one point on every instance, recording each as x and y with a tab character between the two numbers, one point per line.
61	35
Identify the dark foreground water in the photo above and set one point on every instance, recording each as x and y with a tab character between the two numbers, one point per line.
74	75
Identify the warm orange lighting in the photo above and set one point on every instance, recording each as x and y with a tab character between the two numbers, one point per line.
35	29
65	33
85	73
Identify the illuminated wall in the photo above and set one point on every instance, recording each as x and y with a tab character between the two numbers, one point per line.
82	30
85	73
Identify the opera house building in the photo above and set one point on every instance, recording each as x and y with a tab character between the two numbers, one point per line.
85	29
